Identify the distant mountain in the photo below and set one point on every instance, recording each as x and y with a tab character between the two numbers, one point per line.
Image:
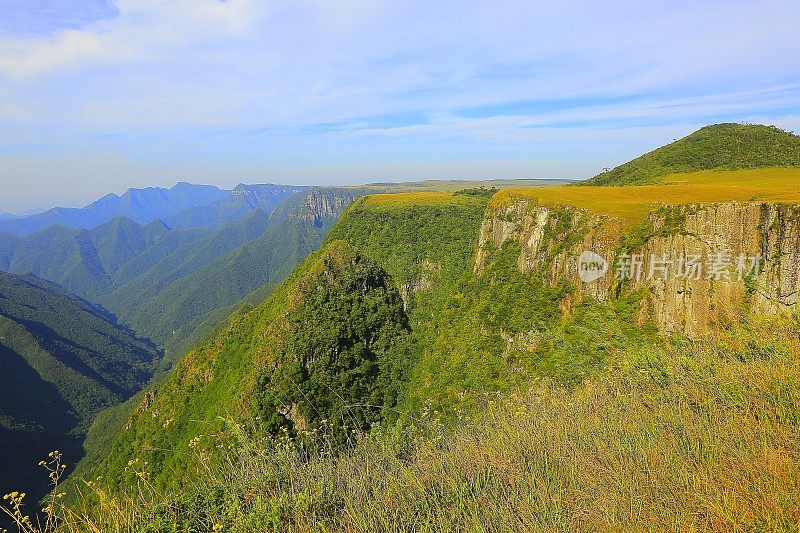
243	199
172	284
63	360
5	216
716	147
140	205
178	313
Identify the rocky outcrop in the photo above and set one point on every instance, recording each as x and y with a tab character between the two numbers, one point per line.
695	265
326	203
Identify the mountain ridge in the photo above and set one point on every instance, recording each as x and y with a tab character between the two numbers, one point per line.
141	205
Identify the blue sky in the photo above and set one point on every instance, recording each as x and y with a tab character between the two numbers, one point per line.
98	96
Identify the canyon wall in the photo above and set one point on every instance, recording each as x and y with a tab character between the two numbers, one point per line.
695	265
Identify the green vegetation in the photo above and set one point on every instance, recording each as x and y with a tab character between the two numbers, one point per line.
414	235
343	362
478	334
64	360
701	435
717	147
173	285
331	336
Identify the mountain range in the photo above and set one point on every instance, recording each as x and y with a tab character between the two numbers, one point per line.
436	351
140	205
436	304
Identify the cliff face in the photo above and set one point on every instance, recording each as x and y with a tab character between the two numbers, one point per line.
327	203
696	265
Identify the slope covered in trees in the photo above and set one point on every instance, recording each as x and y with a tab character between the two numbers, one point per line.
325	352
716	147
63	360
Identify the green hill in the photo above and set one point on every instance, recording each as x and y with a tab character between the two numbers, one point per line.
63	360
716	147
334	334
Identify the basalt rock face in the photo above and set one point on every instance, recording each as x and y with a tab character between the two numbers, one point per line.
552	241
327	203
696	266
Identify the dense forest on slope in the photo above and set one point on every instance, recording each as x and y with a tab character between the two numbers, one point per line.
716	147
63	360
333	336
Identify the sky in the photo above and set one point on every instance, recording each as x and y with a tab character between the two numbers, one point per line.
97	96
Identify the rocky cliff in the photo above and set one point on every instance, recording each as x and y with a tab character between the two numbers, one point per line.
695	265
327	203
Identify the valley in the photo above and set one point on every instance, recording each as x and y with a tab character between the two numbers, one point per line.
440	352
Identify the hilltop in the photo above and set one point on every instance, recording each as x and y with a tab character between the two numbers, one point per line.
715	147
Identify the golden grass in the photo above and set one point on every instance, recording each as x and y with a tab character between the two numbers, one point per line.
405	199
632	204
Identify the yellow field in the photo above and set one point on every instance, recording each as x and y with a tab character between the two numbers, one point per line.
416	198
632	204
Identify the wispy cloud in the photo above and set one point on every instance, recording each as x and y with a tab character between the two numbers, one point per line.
246	86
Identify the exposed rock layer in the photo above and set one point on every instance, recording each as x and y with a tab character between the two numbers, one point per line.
698	265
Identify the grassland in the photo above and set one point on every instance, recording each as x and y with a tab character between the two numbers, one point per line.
631	205
699	436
